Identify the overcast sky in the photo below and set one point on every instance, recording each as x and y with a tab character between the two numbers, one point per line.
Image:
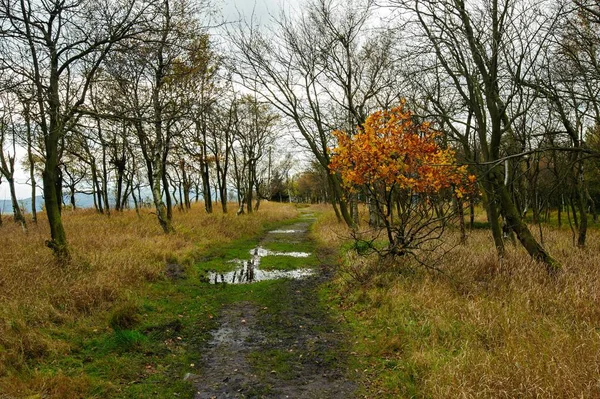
261	8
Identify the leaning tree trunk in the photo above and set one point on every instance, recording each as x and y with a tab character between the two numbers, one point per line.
523	233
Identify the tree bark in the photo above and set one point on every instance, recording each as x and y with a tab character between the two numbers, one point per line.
58	236
523	233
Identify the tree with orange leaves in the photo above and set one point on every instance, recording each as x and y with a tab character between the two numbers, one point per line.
408	177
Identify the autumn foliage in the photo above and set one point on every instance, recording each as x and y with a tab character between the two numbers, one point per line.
412	184
393	151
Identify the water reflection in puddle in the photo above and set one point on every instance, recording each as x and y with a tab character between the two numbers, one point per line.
249	270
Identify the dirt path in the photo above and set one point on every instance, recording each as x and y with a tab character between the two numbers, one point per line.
289	349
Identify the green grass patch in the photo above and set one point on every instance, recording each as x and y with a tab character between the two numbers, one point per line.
274	362
288	262
218	259
290	245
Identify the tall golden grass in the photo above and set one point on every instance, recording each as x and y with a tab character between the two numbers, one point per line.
487	329
112	258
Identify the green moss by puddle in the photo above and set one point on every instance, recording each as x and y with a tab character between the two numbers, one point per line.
288	262
274	362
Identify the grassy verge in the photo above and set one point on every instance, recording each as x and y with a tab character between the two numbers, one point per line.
110	324
491	330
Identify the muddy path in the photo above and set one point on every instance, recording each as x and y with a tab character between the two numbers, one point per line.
283	345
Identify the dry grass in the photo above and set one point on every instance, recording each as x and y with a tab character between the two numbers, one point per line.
491	330
112	259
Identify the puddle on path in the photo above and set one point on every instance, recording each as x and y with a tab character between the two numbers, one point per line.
250	271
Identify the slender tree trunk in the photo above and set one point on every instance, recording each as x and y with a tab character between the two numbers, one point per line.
471	213
59	189
181	201
97	191
336	189
206	192
249	197
105	182
223	195
125	198
73	204
186	185
31	169
583	218
573	211
135	201
581	201
250	187
461	218
120	174
592	204
205	175
560	206
168	201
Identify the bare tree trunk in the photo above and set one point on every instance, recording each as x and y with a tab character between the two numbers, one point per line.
257	204
581	205
530	244
491	206
471	213
31	167
168	201
461	218
560	206
51	179
120	166
592	205
97	191
161	210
